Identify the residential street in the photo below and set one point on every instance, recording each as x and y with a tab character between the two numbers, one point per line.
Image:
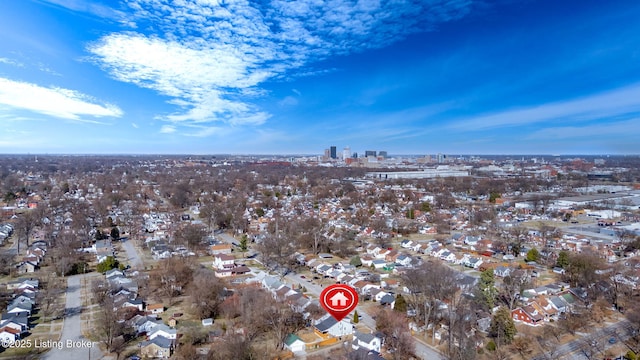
133	257
72	344
572	350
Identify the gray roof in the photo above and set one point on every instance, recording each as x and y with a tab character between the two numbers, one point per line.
387	299
161	341
326	324
162	327
364	337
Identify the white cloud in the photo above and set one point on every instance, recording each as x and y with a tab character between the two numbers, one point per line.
621	130
604	105
135	125
8	61
90	7
57	102
209	56
288	101
167	129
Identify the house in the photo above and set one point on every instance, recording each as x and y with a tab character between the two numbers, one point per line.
367	341
527	315
20	308
388	299
162	330
223	261
328	325
144	324
158	347
406	243
294	344
133	303
404	260
18	322
543	305
473	263
155	308
9	335
220	249
112	273
364	354
448	256
379	295
558	303
25	283
502	271
378	263
26	267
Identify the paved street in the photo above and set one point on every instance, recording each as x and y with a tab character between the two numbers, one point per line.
72	344
573	349
133	257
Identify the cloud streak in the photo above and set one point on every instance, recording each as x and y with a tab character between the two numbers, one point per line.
615	103
211	57
53	101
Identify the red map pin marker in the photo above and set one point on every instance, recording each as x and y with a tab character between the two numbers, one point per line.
339	300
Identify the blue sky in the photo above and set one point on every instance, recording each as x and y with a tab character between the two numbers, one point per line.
408	77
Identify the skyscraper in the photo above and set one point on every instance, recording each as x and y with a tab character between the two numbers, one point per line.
346	153
334	154
368	153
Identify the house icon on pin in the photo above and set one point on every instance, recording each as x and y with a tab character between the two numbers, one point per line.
339	299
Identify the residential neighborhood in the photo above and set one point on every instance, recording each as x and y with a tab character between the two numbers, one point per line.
216	259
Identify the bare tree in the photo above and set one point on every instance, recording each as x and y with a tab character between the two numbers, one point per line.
512	287
109	327
25	225
206	293
395	331
192	236
48	296
430	285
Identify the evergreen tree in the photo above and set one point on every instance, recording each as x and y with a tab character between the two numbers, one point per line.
115	233
107	264
563	259
355	261
502	327
533	255
243	243
488	291
356	317
400	305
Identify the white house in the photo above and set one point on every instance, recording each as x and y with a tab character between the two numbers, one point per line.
9	335
367	341
223	261
404	260
164	331
329	325
294	344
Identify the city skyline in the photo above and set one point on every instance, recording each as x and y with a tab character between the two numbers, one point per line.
511	77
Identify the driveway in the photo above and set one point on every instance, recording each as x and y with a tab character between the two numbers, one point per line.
72	344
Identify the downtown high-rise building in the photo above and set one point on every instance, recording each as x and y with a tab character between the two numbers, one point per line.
346	153
333	151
